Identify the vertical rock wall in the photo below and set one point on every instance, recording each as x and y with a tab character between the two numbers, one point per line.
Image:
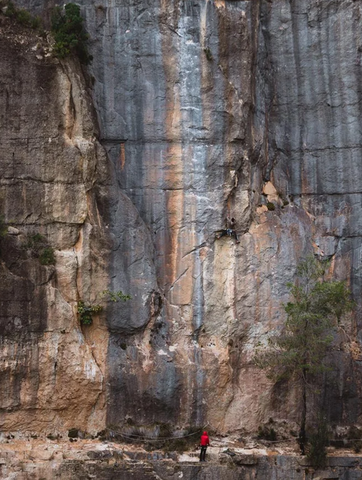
314	150
173	92
208	109
53	178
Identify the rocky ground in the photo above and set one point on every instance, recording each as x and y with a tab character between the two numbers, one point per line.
228	458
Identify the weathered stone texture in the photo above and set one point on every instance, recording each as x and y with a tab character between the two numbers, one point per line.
176	128
210	100
51	373
209	109
46	461
314	146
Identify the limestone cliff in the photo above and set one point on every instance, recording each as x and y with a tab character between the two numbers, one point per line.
207	109
53	180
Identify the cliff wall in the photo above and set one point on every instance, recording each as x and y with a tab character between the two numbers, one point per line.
314	147
53	177
207	109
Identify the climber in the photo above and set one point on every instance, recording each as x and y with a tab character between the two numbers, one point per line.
228	231
204	443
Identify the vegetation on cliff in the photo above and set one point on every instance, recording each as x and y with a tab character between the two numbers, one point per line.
38	247
69	33
3	227
300	351
67	28
21	15
86	311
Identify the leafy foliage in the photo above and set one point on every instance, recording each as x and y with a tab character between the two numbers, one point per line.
21	15
3	227
311	319
86	312
208	54
300	350
73	432
267	432
46	256
115	296
355	435
319	439
38	247
69	33
33	241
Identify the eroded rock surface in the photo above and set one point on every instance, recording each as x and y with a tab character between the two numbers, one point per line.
207	109
53	173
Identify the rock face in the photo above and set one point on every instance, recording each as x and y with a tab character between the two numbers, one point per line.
53	177
314	143
208	109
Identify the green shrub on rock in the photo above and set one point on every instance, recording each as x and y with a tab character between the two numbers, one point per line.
21	15
319	439
38	247
86	312
3	227
69	33
73	432
266	432
115	296
47	257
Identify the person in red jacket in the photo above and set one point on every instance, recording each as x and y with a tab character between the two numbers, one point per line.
204	443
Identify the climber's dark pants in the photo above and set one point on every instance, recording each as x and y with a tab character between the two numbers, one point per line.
235	235
203	454
228	232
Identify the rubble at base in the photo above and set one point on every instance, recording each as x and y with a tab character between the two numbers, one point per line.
39	459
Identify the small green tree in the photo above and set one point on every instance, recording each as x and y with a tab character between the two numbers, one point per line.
21	15
300	350
69	33
317	454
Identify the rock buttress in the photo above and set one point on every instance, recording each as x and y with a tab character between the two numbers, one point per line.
53	178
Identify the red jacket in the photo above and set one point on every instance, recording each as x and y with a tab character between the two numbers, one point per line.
204	441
